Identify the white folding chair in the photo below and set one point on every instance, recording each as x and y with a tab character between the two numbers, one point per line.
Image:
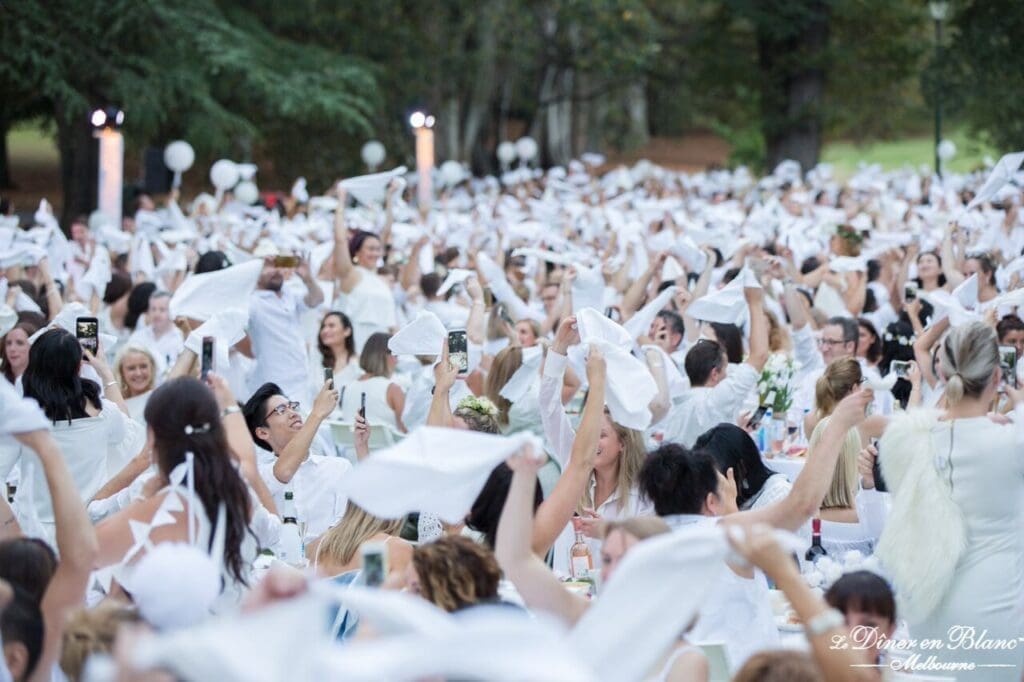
718	661
381	435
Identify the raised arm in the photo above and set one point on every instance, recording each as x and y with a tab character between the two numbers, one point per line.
297	450
76	545
812	484
950	264
554	420
758	327
54	303
347	275
111	389
856	292
923	344
536	584
634	296
314	294
476	323
410	274
445	376
558	508
662	402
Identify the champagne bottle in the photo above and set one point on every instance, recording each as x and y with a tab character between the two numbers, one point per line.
290	548
815	551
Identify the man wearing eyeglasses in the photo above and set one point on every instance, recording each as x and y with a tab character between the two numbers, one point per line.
276	425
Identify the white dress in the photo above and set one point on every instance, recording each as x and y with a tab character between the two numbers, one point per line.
987	471
377	409
370	306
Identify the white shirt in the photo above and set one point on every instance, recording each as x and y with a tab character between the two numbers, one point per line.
275	328
166	348
315	489
704	407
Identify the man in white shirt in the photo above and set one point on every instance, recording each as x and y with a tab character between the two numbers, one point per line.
276	425
159	336
718	394
275	328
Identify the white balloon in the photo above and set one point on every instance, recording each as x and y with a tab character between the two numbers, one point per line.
526	147
179	156
247	192
452	173
507	152
373	153
947	150
224	174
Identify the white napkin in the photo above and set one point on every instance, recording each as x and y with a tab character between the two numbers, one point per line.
434	470
299	191
502	290
544	254
521	380
8	318
22	253
201	296
727	305
847	264
960	306
630	384
999	176
676	568
97	276
587	289
425	335
371	190
227	327
671	270
455	277
640	323
677	383
19	415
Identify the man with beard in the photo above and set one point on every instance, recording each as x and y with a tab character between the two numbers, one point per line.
276	331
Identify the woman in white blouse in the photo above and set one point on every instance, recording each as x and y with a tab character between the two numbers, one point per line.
385	400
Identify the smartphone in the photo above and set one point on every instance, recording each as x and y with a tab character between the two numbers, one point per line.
503	314
375	563
488	297
458	351
286	261
876	472
612	313
362	406
1008	364
329	376
909	292
87	329
207	357
755	419
900	368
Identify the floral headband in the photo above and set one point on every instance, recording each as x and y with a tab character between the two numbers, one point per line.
850	235
482	406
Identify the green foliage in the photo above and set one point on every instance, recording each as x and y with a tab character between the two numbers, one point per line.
981	71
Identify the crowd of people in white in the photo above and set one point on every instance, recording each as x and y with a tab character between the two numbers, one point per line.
562	424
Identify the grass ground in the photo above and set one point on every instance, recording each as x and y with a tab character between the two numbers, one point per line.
913	152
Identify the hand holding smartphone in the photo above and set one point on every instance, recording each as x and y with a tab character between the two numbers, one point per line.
375	563
87	331
362	406
458	350
207	357
329	376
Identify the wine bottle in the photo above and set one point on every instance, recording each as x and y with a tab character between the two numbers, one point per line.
815	551
290	549
581	559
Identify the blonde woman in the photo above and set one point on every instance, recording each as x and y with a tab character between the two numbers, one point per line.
952	542
336	553
135	370
841	378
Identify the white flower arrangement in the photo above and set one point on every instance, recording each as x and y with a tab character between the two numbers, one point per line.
777	378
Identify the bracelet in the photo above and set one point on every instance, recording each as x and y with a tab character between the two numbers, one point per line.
823	622
109	384
230	409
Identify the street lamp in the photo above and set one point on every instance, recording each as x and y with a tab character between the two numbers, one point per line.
938	9
106	124
423	126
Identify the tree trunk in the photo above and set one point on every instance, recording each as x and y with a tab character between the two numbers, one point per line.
79	169
5	159
636	105
792	85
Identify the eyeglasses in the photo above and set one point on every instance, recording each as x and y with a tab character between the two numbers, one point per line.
282	408
830	342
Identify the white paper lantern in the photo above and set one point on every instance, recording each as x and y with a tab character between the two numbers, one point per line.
373	154
947	150
452	173
526	148
507	152
247	192
224	174
179	156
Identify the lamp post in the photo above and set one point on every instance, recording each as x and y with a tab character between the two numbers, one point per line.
938	9
423	126
106	124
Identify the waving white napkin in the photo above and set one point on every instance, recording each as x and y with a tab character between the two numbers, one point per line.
671	270
371	190
425	335
19	415
201	296
502	290
640	323
848	264
435	470
999	176
455	277
8	318
676	568
97	276
521	380
727	305
227	327
960	306
587	289
630	386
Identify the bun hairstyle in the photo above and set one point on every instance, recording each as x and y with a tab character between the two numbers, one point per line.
838	380
968	358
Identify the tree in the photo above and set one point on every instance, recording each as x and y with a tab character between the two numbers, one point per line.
198	69
983	70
